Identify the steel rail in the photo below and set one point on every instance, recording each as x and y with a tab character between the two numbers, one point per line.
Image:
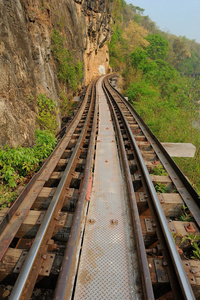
145	274
4	222
186	190
13	220
179	269
64	285
23	278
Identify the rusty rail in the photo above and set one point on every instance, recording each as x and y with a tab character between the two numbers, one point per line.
185	286
66	277
28	275
12	210
145	274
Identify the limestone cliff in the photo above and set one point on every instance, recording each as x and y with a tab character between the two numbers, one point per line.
26	62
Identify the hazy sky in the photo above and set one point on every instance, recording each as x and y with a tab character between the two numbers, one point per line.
179	17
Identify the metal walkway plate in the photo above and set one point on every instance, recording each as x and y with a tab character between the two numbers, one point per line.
108	266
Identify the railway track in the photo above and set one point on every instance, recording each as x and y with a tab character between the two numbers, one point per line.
35	230
177	277
43	237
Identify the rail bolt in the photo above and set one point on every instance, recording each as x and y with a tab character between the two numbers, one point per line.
51	245
91	221
114	222
190	228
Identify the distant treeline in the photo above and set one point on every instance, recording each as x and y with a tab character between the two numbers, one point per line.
160	76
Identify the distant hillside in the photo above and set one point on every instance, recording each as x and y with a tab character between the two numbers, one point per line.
160	74
184	54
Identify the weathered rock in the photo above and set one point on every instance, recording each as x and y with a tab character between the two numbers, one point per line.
96	58
26	62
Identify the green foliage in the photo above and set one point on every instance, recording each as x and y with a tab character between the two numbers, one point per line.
117	9
7	196
116	56
183	54
134	36
136	9
123	20
159	170
66	106
156	72
47	111
191	238
196	251
163	98
141	89
158	46
139	59
186	215
164	76
70	71
16	163
191	168
194	242
160	188
45	143
154	81
60	23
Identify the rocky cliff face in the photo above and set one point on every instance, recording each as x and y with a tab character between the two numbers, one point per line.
97	19
26	62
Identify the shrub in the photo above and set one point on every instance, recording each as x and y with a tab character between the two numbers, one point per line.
66	106
16	163
70	70
47	111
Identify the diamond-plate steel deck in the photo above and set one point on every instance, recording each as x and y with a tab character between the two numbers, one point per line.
108	265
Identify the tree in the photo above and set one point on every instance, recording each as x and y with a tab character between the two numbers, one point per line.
136	9
137	57
180	53
158	46
134	35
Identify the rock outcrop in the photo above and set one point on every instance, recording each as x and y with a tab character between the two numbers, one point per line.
26	62
97	19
